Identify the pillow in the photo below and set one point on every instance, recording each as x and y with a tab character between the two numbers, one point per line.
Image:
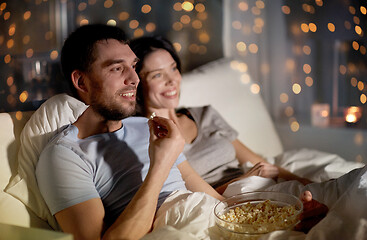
56	112
220	83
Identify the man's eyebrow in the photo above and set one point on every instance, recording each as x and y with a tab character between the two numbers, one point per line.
110	62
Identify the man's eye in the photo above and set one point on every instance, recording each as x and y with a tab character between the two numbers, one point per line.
116	69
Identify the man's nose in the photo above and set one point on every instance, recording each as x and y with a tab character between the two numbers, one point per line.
132	77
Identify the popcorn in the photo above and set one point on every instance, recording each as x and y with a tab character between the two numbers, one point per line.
265	216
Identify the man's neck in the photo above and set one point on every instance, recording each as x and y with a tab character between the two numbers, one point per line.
91	123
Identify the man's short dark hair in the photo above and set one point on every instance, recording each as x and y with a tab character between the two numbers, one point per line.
78	50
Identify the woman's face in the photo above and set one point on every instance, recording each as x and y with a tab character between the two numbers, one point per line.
161	80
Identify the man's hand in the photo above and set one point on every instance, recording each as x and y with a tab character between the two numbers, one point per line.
313	212
166	142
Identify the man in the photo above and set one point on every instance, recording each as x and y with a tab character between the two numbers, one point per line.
105	175
98	176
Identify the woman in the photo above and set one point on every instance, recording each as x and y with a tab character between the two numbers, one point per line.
212	147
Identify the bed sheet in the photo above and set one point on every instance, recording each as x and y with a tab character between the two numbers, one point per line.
186	215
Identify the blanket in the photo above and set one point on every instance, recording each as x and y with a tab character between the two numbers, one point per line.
339	184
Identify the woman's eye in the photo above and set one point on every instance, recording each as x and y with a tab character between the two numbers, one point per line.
157	75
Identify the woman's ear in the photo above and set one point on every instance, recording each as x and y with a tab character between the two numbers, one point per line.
78	80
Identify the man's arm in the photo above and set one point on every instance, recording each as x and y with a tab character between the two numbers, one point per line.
85	220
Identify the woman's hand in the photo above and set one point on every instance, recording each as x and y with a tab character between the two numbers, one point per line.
166	142
313	212
263	169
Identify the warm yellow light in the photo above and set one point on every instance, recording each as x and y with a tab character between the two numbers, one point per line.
289	111
7	58
91	2
177	46
187	6
204	37
177	6
194	48
347	25
197	24
29	53
363	98
237	25
82	6
23	96
19	114
305	28
342	69
138	33
177	26
362	49
49	35
255	11
111	22
83	22
356	20
313	27
108	4
255	88
286	9
331	27
360	85
185	19
2	6
355	45
13	89
123	16
27	15
11	30
353	81
253	48
133	24
307	68
10	81
10	43
260	4
358	30
296	88
306	50
259	22
363	10
242	67
352	10
283	97
319	3
309	81
290	64
146	8
150	27
243	6
241	46
202	16
202	49
200	7
54	54
6	15
245	78
294	126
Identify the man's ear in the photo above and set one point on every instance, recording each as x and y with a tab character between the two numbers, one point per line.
78	80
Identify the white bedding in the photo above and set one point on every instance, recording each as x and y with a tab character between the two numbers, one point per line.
187	215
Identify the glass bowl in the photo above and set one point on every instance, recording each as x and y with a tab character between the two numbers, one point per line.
262	222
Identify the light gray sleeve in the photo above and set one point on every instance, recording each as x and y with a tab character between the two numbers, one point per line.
64	179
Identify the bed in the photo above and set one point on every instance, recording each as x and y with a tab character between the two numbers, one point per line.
184	215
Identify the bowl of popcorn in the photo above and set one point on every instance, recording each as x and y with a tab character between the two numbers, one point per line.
250	215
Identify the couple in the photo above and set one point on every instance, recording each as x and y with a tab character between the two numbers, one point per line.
105	175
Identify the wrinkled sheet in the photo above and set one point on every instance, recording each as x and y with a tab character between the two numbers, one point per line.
186	215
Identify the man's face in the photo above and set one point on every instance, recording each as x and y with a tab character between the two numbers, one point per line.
112	80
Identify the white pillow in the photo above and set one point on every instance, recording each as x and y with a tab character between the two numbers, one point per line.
56	112
220	84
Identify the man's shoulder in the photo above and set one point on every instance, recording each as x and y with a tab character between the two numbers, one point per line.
138	121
